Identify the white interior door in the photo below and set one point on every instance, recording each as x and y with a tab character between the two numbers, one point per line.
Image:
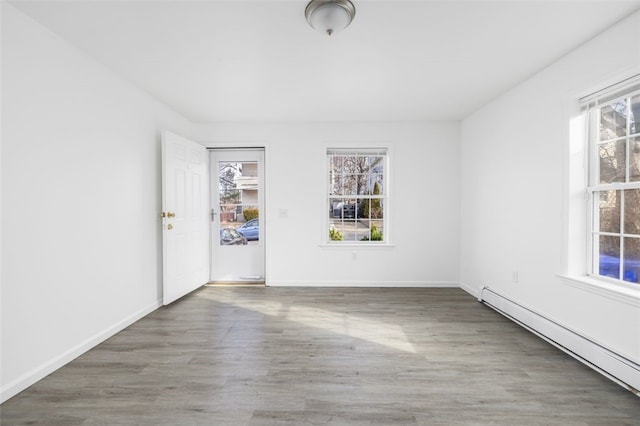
237	231
185	225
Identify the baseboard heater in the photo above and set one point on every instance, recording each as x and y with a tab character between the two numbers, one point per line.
621	370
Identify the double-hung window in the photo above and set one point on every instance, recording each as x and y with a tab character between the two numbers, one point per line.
357	196
614	183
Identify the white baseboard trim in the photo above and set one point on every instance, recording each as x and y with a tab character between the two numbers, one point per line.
622	370
373	284
472	291
13	388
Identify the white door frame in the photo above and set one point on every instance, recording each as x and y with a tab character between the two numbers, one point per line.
214	207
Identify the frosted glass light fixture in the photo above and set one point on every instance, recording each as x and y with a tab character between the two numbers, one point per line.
330	16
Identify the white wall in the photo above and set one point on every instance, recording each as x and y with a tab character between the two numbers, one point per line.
424	206
80	190
515	202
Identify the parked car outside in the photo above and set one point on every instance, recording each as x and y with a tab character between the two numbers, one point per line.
231	237
250	230
610	267
344	210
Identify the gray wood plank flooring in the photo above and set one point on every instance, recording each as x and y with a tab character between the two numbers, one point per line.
324	356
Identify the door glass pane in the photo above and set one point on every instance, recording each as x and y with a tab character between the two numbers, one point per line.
238	202
613	120
609	211
631	265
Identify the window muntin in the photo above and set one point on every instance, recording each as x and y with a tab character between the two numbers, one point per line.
357	196
614	186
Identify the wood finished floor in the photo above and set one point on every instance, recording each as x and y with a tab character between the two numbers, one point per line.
301	356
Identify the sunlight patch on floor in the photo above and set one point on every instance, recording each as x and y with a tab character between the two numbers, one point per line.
374	331
389	335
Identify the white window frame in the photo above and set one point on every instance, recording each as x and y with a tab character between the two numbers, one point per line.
384	197
592	105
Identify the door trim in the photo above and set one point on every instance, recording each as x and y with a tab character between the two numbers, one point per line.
211	148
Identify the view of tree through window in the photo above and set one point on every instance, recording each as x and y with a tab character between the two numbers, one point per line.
356	195
615	185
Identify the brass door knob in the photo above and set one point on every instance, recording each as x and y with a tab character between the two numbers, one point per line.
169	227
171	214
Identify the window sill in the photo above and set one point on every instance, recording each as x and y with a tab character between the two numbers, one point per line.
621	292
351	246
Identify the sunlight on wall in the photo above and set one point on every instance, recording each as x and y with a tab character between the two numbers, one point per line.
575	202
389	335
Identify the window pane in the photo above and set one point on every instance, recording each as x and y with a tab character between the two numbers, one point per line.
349	230
335	231
632	211
342	209
613	120
375	164
609	211
635	114
631	265
377	230
335	162
349	184
355	184
370	208
364	208
363	231
377	184
336	184
351	164
609	259
615	228
612	161
363	184
634	157
333	178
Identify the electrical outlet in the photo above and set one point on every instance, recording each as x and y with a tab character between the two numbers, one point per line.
514	276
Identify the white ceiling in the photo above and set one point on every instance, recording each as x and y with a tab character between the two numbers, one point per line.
260	61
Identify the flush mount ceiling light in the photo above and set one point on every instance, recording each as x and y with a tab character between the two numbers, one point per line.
330	16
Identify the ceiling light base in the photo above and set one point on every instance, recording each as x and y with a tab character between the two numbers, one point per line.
330	16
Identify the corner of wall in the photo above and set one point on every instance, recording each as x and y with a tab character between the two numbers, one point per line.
469	289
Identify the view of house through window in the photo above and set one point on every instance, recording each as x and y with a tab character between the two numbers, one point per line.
615	186
238	209
357	195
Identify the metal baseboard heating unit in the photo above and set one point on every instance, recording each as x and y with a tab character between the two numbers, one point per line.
621	370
